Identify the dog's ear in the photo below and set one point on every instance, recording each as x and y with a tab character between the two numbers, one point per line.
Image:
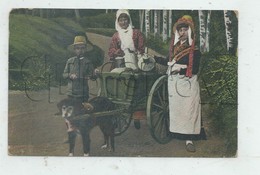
88	107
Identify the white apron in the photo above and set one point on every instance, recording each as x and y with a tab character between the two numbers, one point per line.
184	104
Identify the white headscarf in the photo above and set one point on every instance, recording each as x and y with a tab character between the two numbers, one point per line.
125	35
177	36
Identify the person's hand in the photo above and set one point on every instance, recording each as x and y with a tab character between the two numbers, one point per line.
177	67
171	63
96	72
73	76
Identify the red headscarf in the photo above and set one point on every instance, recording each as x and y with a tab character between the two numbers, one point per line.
186	19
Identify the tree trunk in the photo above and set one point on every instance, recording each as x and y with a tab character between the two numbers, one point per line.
141	18
159	21
202	31
155	22
207	32
147	22
77	15
170	24
164	34
228	32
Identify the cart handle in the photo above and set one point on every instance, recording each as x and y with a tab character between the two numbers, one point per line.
97	114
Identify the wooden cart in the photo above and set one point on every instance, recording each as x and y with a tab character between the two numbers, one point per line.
132	92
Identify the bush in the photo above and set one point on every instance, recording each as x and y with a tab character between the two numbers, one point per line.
106	20
156	43
218	78
96	56
35	36
224	119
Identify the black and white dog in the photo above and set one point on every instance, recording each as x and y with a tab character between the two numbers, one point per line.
70	108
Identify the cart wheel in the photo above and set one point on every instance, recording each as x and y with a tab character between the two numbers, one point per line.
158	111
122	121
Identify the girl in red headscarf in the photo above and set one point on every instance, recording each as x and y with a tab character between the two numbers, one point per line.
183	86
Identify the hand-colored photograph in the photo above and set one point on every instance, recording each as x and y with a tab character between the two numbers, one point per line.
123	83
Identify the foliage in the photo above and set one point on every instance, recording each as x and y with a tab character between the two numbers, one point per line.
96	56
156	43
224	123
218	76
16	78
217	38
37	36
106	20
69	25
50	13
34	74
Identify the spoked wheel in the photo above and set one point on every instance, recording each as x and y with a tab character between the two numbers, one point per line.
122	121
158	111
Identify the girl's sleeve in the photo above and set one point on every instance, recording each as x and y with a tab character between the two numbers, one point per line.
114	50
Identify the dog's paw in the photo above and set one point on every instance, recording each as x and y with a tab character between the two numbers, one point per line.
86	155
104	146
70	155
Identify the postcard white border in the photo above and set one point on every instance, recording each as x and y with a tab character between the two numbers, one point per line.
248	158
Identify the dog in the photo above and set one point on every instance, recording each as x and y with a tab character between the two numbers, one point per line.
70	108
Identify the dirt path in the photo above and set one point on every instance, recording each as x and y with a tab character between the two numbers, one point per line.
34	130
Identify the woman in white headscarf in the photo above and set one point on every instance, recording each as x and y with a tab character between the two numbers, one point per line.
126	42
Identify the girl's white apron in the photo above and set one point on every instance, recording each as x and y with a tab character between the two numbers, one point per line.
184	104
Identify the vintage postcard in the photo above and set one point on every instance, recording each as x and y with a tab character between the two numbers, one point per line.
129	87
117	82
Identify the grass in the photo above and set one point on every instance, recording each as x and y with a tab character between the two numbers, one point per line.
35	36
